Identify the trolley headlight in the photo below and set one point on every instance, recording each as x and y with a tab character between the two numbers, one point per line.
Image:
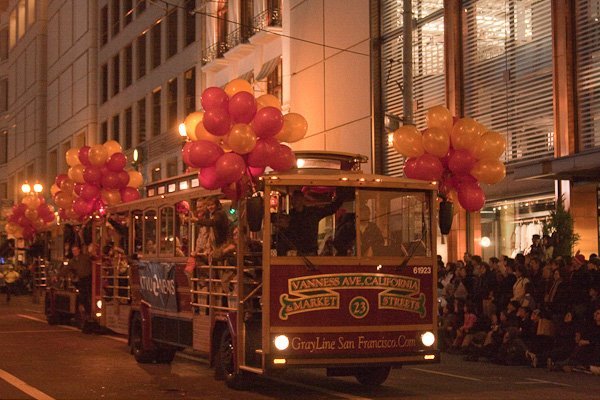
99	304
281	342
428	339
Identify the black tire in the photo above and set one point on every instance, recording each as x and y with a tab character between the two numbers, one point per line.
165	355
141	355
225	366
373	376
51	318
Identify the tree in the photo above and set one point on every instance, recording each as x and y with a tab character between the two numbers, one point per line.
560	227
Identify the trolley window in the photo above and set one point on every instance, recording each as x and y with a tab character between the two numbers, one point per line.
166	235
150	218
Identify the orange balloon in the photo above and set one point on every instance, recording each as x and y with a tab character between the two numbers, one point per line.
111	197
191	121
32	202
98	155
11	228
489	171
38	223
71	214
63	200
241	139
465	134
436	141
67	186
439	117
238	85
76	173
135	179
489	145
294	128
72	157
202	134
408	141
54	189
112	147
267	100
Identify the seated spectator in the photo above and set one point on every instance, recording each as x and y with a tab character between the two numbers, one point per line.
512	350
586	351
469	320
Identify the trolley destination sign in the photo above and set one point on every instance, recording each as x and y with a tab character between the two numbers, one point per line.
320	292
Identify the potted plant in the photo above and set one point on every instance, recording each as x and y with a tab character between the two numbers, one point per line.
560	228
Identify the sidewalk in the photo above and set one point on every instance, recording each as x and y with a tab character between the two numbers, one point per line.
20	304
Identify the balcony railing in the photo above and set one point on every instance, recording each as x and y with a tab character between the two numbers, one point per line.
268	18
214	51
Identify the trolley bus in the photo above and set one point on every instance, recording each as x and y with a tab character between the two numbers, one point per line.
361	301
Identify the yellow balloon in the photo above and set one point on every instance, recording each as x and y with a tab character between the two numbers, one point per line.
241	139
489	171
112	147
76	173
465	134
202	134
72	157
439	117
267	100
238	85
54	189
190	122
294	128
98	155
408	141
32	202
489	145
111	197
135	179
436	141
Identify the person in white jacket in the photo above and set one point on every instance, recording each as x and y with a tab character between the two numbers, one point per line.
10	277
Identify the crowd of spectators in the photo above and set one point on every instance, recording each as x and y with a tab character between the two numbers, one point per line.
531	310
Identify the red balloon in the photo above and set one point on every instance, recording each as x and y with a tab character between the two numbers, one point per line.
19	209
111	181
78	188
214	98
89	192
92	174
263	152
82	207
446	158
129	194
208	178
471	197
48	217
229	168
123	178
430	167
84	155
217	121
43	210
283	159
231	191
116	162
461	161
410	168
267	122
242	107
60	179
256	171
201	154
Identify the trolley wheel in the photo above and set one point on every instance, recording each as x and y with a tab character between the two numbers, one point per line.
372	376
141	355
51	317
225	366
165	355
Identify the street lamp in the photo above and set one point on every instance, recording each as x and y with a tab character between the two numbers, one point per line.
37	187
183	132
26	188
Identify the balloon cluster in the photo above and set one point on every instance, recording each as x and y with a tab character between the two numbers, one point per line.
458	153
28	217
237	136
96	178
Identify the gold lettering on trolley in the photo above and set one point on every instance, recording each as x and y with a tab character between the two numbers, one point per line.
318	292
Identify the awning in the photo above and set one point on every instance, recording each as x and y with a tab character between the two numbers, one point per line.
247	76
267	68
578	167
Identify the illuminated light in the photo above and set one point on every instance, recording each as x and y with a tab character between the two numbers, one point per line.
433	182
379	267
390	138
162	197
274	178
505	207
378	180
182	131
279	361
99	304
428	339
136	155
183	185
429	357
281	342
26	188
98	314
300	163
38	188
526	204
232	211
485	241
361	179
343	179
157	169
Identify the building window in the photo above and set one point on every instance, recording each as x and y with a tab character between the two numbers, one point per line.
103	25
30	12
116	74
275	82
128	66
3	95
172	169
172	33
190	22
22	16
172	105
3	44
3	191
156	173
12	33
190	91
128	128
127	12
4	147
103	83
156	45
116	128
103	132
140	6
156	110
115	21
141	56
141	120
